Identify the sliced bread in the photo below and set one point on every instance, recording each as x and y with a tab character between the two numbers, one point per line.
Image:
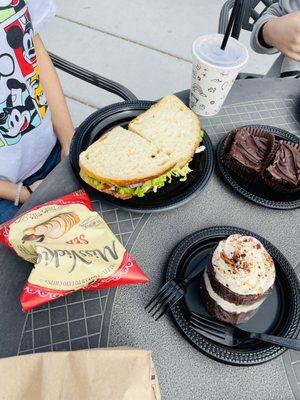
121	157
172	127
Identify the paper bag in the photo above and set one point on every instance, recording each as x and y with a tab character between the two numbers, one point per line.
102	374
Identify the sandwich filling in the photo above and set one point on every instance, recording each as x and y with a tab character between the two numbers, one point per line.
152	185
145	187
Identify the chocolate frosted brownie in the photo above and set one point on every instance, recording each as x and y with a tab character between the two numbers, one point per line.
246	150
283	174
251	151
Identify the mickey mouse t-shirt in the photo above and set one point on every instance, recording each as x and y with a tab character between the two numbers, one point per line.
26	131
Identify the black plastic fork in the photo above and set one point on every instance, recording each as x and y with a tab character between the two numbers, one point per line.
170	294
230	335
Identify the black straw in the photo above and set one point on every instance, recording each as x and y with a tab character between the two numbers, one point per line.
233	16
236	30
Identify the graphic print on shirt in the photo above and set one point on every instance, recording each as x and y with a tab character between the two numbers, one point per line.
7	65
8	8
23	105
36	92
19	114
19	36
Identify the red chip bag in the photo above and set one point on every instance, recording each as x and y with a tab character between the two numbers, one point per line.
72	249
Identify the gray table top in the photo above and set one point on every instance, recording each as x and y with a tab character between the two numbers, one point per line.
184	372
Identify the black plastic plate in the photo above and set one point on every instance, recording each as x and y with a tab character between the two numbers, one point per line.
172	195
278	315
260	193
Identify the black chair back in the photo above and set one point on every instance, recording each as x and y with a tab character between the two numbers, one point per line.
252	10
92	78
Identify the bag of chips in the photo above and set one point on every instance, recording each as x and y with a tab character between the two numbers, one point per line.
72	249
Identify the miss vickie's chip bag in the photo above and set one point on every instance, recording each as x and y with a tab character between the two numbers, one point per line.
72	249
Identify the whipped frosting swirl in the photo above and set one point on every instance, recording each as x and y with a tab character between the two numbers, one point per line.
243	265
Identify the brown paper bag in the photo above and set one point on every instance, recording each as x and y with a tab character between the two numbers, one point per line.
96	374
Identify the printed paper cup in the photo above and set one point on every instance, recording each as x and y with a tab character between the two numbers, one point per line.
214	74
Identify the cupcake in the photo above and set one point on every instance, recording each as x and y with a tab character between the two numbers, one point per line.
238	279
245	152
283	172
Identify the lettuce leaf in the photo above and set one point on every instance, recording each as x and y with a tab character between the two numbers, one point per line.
153	184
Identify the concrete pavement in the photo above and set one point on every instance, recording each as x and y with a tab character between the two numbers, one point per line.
144	45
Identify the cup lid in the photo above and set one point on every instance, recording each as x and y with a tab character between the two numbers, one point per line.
208	49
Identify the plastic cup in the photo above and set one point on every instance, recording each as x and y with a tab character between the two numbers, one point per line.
214	72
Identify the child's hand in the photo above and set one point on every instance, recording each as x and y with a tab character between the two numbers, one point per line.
283	33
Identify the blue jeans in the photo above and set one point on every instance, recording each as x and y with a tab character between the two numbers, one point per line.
7	208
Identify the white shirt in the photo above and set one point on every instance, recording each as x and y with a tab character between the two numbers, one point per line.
26	131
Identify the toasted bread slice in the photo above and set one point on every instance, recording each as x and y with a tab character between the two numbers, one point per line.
172	127
121	158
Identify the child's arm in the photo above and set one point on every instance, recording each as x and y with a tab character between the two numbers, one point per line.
61	119
278	30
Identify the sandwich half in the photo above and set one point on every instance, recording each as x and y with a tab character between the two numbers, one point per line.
157	147
123	164
172	127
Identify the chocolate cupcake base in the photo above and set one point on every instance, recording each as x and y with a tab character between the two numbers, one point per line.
229	295
219	313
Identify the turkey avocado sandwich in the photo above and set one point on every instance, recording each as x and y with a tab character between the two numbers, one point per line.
158	146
